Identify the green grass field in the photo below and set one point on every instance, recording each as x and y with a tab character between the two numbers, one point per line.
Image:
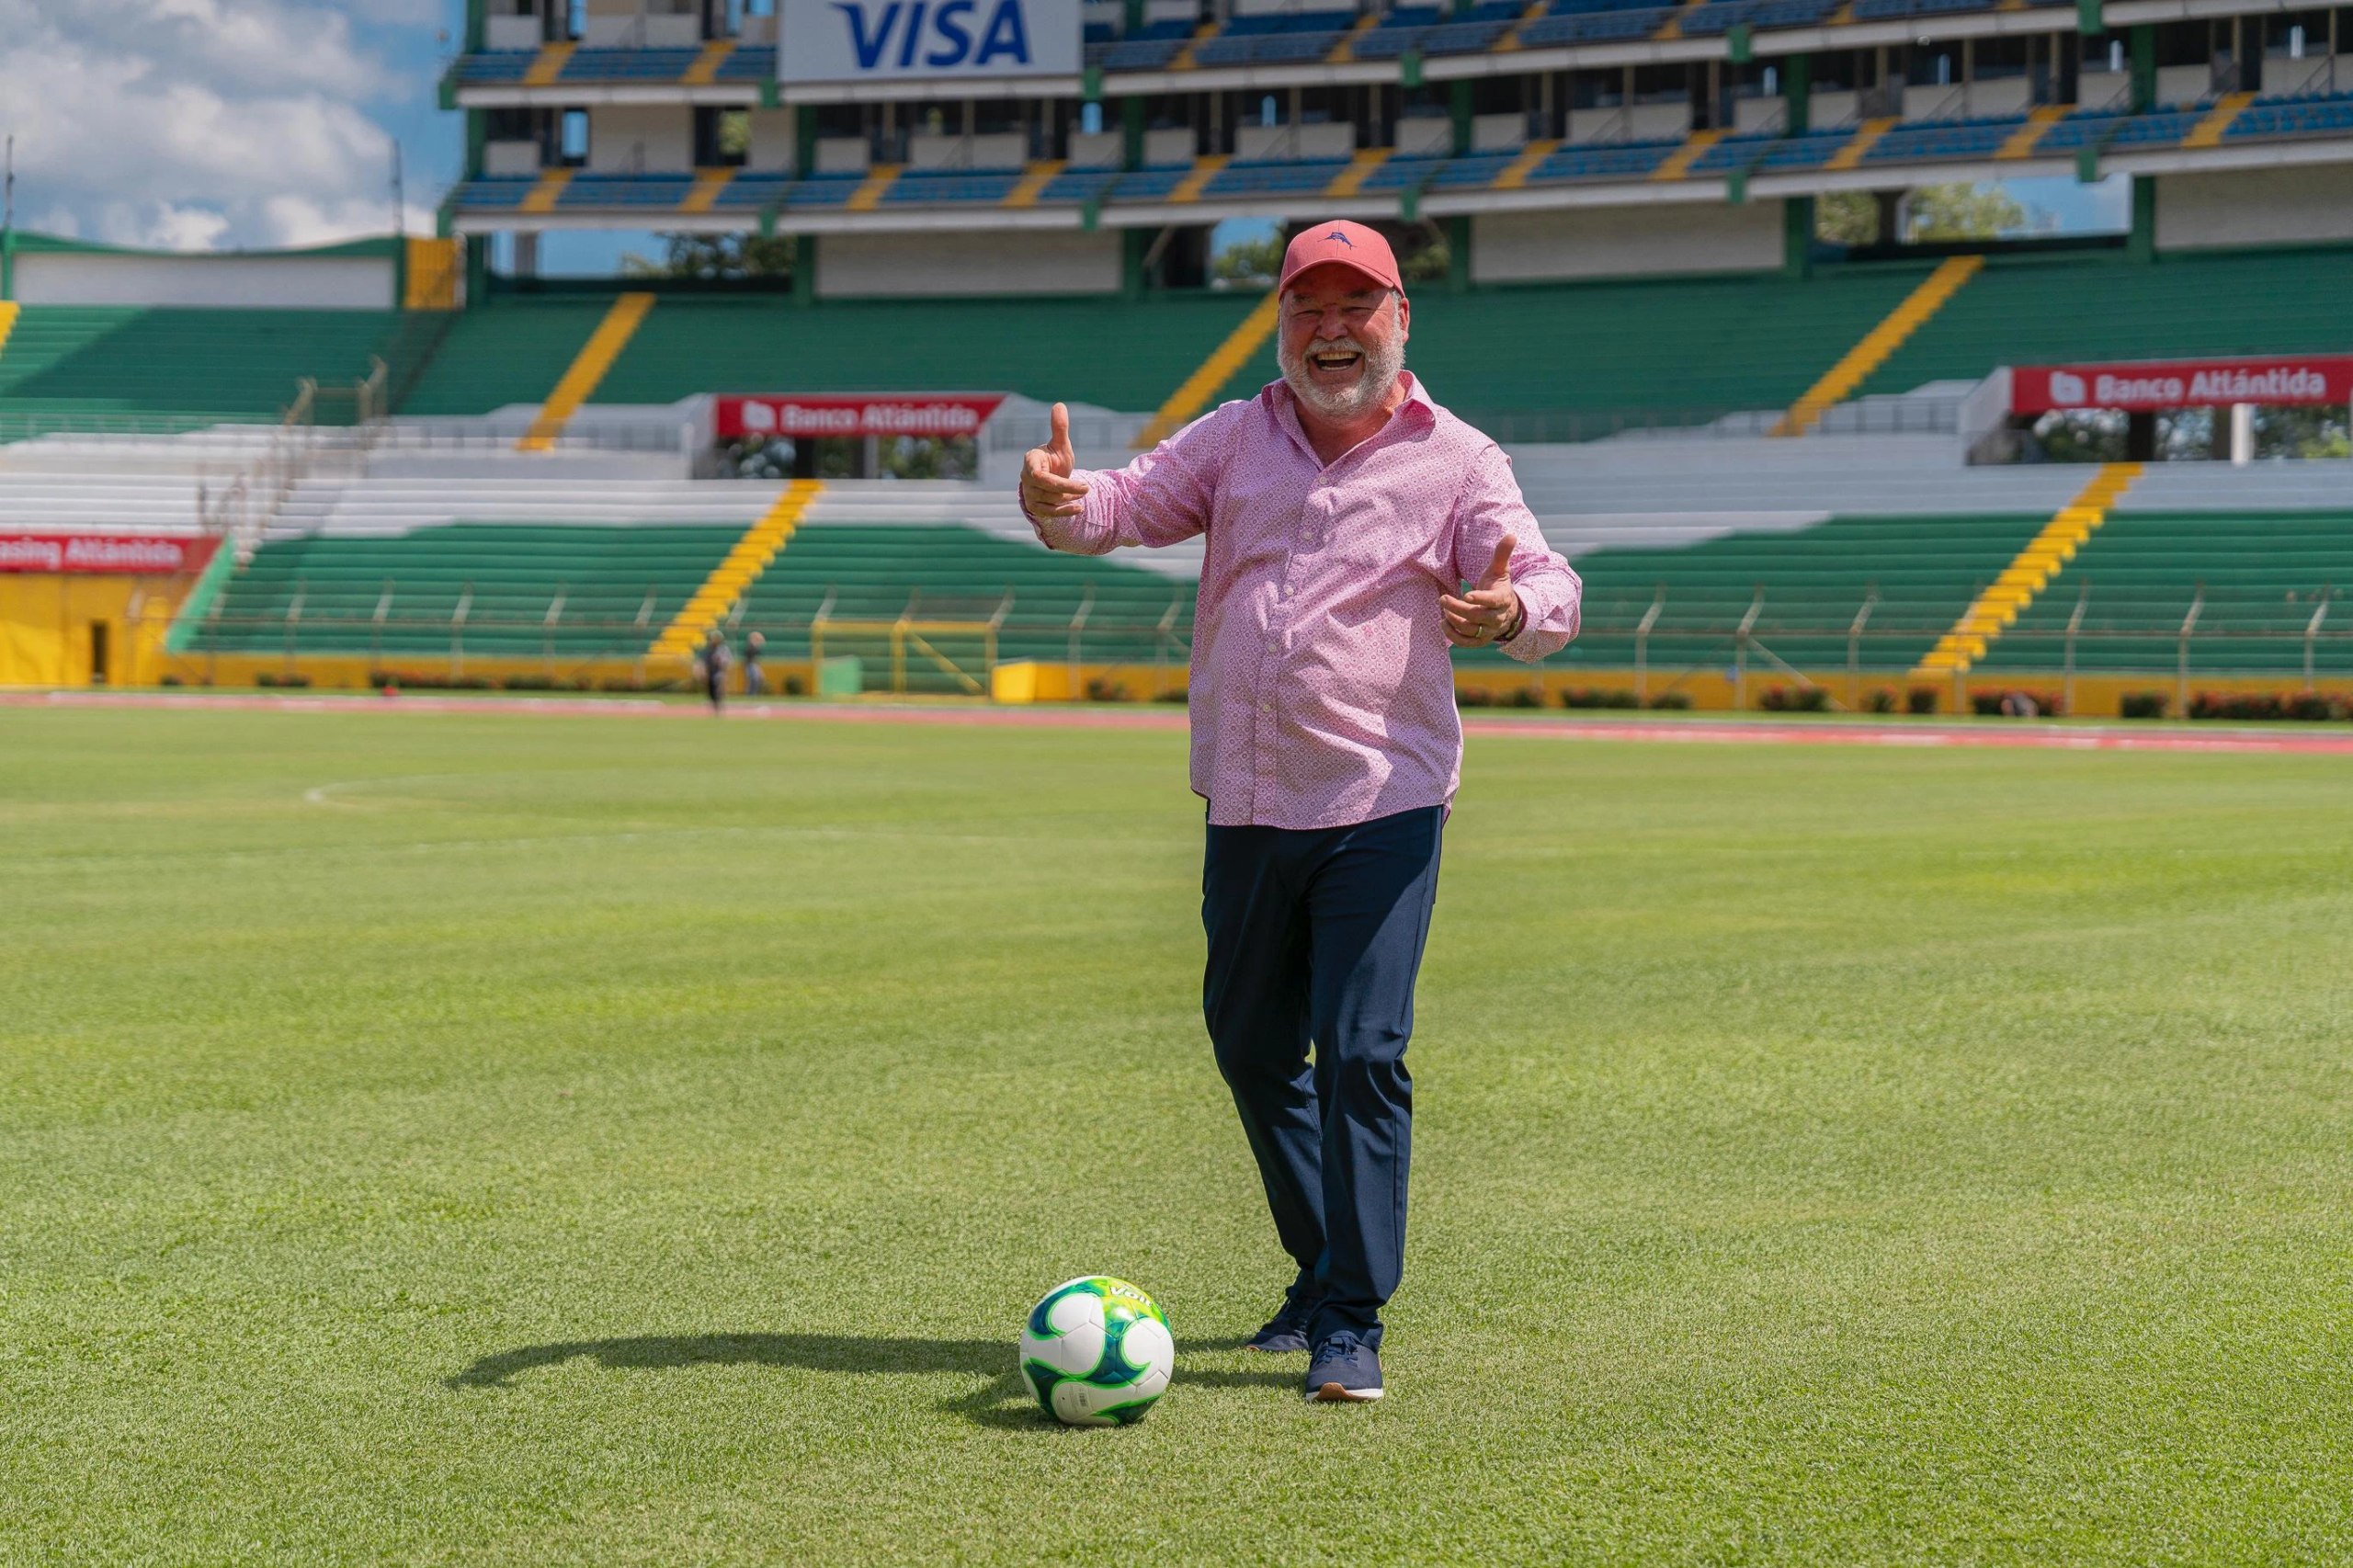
458	1140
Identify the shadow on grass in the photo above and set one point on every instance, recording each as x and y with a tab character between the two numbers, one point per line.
1001	1403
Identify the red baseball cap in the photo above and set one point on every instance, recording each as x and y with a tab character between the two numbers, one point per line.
1342	244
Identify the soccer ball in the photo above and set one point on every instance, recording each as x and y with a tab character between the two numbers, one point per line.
1097	1353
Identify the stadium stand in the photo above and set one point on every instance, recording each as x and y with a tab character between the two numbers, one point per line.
2056	309
865	576
1807	587
486	589
80	367
514	353
1107	352
2256	581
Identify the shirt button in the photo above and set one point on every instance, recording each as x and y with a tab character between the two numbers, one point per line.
1266	708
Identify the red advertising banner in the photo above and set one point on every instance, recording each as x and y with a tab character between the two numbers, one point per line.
906	414
2188	383
145	555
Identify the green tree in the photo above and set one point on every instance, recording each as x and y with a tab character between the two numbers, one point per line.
1847	218
1965	210
716	255
1250	263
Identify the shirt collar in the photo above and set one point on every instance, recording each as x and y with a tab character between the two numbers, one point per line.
1418	412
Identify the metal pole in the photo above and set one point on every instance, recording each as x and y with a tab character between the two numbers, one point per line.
2181	670
294	619
1740	651
2311	633
1643	646
1077	636
2074	624
547	630
458	633
1855	649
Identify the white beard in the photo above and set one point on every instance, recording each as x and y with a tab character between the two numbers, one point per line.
1374	378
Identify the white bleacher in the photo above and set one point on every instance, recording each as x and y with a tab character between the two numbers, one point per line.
112	503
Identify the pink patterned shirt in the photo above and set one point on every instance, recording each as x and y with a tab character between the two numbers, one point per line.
1323	692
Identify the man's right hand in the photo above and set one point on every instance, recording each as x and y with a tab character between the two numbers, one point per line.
1047	488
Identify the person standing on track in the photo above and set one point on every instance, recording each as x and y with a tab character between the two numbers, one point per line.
1345	513
716	658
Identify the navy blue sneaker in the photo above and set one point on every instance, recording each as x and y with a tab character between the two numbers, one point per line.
1346	1370
1286	1331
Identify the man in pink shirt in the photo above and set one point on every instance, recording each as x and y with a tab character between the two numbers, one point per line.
1345	512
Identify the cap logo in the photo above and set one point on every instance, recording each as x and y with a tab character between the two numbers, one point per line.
1341	235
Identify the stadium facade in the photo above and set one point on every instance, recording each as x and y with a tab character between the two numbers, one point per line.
1559	139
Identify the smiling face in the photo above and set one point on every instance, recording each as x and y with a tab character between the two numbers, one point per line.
1342	341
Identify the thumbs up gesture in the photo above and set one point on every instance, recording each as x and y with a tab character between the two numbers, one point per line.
1490	612
1047	488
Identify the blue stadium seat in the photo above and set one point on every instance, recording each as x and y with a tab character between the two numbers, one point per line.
663	191
749	62
1150	185
1592	27
931	186
1472	171
495	192
822	190
1079	186
1614	159
1405	174
1267	178
627	64
751	191
1976	138
504	65
2305	116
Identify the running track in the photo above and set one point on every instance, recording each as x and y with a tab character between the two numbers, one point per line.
1898	733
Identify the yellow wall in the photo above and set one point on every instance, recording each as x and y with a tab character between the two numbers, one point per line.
45	622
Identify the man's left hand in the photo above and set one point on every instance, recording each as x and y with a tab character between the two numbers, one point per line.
1490	612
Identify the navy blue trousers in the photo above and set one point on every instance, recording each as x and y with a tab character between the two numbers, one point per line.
1315	938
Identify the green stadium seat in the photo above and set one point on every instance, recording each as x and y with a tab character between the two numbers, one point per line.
2052	311
2261	578
1924	571
69	368
875	573
620	587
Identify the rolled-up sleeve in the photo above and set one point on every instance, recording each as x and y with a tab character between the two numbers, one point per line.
1551	593
1161	498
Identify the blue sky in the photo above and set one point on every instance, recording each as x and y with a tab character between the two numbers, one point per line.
201	124
206	124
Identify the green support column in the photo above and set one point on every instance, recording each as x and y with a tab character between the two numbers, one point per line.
804	140
1131	133
477	134
1797	94
477	271
2141	245
1457	254
1796	236
1133	243
2143	47
1459	105
804	270
477	24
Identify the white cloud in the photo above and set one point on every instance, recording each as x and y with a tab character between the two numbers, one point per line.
161	225
298	220
200	123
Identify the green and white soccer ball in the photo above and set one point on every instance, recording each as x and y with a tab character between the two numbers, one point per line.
1097	1353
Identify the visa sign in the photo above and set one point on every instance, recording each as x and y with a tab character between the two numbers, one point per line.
884	40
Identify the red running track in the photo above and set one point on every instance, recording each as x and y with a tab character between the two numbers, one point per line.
1889	733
